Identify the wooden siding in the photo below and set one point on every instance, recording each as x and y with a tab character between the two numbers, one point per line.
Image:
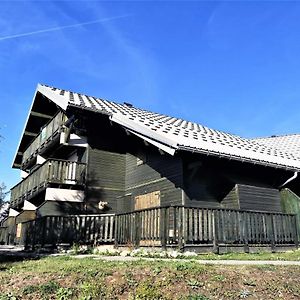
106	176
290	203
26	215
232	199
258	198
215	183
205	183
60	208
158	173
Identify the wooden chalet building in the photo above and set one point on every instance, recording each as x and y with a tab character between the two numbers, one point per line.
127	175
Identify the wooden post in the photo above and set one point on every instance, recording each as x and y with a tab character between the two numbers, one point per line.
296	240
116	231
180	228
215	232
163	228
138	228
273	238
244	229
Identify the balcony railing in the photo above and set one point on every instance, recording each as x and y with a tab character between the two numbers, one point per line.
51	171
184	227
47	132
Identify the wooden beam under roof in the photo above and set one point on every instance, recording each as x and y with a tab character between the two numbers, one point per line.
30	133
37	114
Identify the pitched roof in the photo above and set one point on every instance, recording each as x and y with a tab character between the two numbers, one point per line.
286	143
172	134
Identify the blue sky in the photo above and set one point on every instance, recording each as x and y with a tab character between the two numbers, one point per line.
233	66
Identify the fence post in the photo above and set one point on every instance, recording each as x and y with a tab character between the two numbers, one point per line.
163	231
273	238
116	230
215	232
137	229
180	228
245	231
296	231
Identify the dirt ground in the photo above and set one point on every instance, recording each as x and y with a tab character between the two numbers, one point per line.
72	278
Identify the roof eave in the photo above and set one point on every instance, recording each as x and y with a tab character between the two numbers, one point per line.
238	158
14	164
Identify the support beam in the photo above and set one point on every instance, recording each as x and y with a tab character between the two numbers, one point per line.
30	133
37	114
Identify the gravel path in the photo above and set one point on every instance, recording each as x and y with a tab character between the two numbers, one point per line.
14	251
204	262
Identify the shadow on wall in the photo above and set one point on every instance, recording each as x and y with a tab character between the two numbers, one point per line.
94	194
88	204
203	183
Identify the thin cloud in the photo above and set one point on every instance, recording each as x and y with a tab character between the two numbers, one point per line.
14	36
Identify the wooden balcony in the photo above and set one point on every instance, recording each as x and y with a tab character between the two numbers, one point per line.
47	133
51	171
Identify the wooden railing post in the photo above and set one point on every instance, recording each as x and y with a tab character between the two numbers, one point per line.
245	230
180	228
116	231
295	231
273	237
216	231
163	228
137	229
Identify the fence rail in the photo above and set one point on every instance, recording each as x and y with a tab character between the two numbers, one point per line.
51	171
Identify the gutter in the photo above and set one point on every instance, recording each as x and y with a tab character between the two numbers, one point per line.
237	158
289	180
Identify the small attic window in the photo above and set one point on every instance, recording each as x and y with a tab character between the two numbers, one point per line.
128	104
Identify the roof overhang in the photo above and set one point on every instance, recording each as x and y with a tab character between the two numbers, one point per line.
238	158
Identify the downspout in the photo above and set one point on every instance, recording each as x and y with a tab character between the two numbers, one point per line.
289	180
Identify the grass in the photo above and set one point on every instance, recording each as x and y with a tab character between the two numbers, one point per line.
66	278
288	255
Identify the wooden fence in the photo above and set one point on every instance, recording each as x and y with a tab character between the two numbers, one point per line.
183	226
53	230
165	227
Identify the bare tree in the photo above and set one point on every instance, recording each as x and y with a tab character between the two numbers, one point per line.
3	194
3	202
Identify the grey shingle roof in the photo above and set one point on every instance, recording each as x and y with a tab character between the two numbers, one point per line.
286	143
178	134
